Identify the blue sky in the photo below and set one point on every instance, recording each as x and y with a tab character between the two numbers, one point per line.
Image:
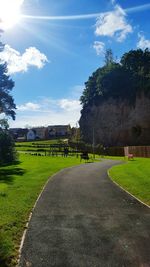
55	47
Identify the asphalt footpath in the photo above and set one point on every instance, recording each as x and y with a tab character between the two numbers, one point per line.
82	219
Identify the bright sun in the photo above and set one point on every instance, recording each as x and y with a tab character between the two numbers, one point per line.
9	13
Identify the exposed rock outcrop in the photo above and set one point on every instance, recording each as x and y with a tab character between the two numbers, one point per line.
117	123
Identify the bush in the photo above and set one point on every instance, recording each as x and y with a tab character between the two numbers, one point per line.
7	148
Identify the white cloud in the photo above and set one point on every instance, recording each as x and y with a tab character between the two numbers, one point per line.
47	104
113	24
29	107
43	119
47	111
133	9
143	43
99	47
21	63
69	105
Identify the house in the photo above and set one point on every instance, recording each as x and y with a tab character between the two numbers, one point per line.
40	132
19	134
31	135
59	131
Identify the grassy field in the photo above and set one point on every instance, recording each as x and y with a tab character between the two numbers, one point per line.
34	145
42	146
134	176
20	186
48	142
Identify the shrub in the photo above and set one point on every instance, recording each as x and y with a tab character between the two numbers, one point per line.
7	148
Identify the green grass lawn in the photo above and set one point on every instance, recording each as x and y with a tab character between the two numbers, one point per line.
30	149
114	157
34	146
134	176
20	186
40	142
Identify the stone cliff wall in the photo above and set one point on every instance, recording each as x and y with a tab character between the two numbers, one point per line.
117	123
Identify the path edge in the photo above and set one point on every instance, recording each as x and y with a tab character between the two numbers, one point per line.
32	210
126	191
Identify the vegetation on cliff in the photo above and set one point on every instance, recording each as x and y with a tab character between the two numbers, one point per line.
123	80
116	101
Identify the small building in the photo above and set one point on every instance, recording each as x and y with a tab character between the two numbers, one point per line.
19	134
59	130
40	132
31	135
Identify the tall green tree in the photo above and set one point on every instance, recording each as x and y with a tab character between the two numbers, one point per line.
109	59
7	105
122	80
7	146
138	63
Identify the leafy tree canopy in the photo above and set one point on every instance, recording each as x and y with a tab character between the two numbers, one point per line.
137	61
109	57
119	80
7	105
7	145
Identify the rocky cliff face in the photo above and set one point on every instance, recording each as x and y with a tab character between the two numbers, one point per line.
117	123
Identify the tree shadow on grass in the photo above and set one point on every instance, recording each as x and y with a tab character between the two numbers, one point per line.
7	175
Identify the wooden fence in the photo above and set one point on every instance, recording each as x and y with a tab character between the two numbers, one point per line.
140	151
137	151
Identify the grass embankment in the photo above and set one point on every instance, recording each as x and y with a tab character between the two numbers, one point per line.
36	145
20	186
134	177
40	142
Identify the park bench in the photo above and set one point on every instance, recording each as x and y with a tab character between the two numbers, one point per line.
84	156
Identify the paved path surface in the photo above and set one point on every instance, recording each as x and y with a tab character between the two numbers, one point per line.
83	220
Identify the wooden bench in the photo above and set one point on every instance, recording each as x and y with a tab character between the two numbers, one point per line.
84	156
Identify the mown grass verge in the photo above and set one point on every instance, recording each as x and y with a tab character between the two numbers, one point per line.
36	145
20	186
134	176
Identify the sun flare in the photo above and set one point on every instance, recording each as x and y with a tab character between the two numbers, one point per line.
9	13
